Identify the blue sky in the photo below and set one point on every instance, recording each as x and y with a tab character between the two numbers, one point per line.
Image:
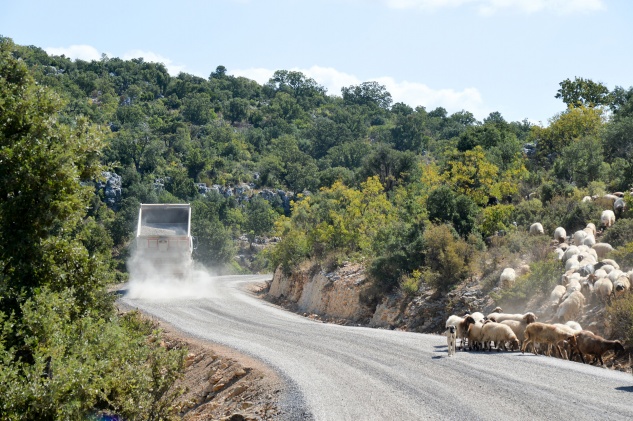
474	55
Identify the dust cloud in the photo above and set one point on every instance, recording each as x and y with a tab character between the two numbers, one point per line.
161	282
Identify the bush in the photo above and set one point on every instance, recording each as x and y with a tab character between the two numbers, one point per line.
410	284
447	255
496	218
71	368
619	233
620	319
527	212
570	213
543	276
289	252
623	255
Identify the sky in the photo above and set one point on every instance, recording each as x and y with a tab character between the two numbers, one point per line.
479	56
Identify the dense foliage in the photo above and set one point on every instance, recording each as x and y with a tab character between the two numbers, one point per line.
64	352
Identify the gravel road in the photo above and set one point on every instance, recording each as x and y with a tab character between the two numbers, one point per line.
353	373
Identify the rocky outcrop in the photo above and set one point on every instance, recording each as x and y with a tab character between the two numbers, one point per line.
337	296
111	187
331	295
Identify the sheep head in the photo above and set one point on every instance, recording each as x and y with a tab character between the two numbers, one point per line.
529	318
514	344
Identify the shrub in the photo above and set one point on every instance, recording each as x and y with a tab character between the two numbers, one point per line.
623	255
70	368
410	284
620	318
619	233
542	278
447	255
570	213
289	252
496	218
527	212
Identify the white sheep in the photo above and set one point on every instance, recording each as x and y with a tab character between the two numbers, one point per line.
579	237
602	289
499	334
559	253
556	295
584	251
478	316
475	336
507	277
536	229
572	263
611	262
589	240
614	275
608	268
574	325
586	199
621	285
518	327
607	218
571	251
602	249
591	226
560	234
571	307
499	317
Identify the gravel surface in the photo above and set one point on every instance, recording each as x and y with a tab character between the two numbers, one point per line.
338	373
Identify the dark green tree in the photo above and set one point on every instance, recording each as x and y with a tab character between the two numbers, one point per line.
42	200
260	217
583	92
370	94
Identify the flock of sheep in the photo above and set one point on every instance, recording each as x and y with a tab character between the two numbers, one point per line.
588	276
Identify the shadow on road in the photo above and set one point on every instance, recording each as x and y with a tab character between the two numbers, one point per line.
625	388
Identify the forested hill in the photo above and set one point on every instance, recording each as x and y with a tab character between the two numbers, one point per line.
165	135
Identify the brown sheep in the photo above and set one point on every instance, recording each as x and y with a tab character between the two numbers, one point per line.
546	334
590	343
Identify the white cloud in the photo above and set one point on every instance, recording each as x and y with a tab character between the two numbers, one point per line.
489	7
412	93
81	52
89	53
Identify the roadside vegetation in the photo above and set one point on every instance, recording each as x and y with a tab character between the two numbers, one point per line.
420	197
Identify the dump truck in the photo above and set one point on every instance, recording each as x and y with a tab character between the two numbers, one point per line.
164	244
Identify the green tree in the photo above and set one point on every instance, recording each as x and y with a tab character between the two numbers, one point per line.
42	200
214	244
259	217
581	162
583	92
371	94
64	354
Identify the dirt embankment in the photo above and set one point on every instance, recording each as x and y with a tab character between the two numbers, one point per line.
222	384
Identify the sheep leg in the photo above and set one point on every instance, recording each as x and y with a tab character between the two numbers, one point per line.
560	353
